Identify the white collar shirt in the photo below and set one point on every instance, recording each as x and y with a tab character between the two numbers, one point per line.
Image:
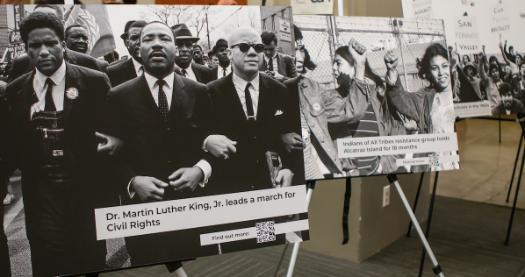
139	68
240	86
189	73
40	88
221	71
154	87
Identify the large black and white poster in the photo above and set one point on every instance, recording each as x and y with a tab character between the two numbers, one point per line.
375	96
485	48
136	135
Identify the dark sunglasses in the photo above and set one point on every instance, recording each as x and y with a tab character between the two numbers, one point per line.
245	47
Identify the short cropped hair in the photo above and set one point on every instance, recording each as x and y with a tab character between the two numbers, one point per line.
268	37
71	27
37	20
153	22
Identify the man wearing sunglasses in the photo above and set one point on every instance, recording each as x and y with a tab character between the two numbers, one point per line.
249	118
184	60
278	65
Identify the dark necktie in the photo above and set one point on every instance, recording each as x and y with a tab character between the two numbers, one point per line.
270	64
223	71
163	100
249	104
50	104
184	73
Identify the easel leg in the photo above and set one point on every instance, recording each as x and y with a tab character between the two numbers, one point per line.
514	169
429	221
415	201
436	267
346	208
499	129
295	251
180	272
509	228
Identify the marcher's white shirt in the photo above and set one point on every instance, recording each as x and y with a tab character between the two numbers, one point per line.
221	70
139	68
240	85
40	88
189	73
154	88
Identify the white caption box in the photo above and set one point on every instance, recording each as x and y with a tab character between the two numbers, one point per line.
164	216
394	145
473	109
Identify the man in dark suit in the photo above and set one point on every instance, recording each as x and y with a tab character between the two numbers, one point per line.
51	136
187	68
249	113
124	70
278	65
224	67
163	119
23	64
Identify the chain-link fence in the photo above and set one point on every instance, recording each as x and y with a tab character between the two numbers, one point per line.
408	38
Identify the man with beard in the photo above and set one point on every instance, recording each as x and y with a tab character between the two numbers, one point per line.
277	65
224	67
162	119
77	38
23	64
184	41
124	70
51	138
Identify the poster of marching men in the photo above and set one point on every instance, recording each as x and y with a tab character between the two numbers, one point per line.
486	51
375	96
137	135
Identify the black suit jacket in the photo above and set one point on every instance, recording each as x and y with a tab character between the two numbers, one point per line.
81	118
23	64
214	71
247	169
121	71
157	149
151	147
202	73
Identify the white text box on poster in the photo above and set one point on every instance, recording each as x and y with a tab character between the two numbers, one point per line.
165	216
472	109
395	145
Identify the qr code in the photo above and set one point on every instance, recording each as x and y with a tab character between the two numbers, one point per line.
265	231
434	160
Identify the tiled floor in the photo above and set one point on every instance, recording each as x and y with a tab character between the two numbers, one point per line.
486	165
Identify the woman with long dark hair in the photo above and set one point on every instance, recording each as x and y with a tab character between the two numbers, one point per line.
431	107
